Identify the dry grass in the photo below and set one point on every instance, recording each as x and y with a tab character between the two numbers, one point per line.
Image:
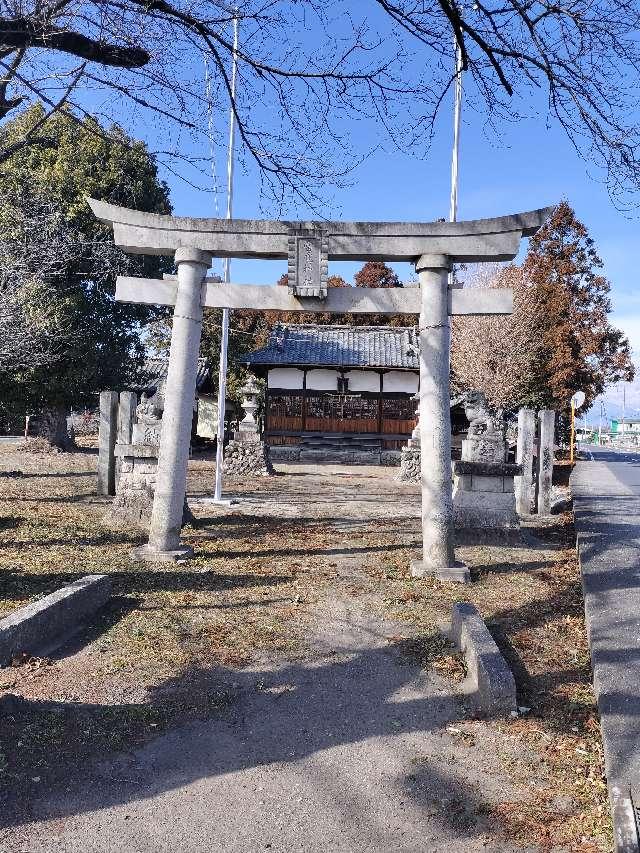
531	599
145	661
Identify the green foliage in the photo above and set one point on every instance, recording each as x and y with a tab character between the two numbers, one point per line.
102	347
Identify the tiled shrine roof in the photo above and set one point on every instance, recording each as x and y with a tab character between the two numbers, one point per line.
339	346
155	372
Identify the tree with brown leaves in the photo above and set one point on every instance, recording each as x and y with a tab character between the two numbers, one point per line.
558	339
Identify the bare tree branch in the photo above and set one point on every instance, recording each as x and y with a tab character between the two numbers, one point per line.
306	69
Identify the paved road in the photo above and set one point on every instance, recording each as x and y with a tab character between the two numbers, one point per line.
606	493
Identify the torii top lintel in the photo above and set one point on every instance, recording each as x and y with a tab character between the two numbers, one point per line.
477	240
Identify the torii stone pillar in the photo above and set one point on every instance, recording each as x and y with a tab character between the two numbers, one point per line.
435	432
166	518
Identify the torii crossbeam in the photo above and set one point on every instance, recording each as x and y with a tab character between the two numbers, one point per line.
432	246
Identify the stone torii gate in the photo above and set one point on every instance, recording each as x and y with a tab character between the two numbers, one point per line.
308	246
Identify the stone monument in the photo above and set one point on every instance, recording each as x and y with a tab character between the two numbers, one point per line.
410	458
247	454
106	443
524	483
546	448
484	502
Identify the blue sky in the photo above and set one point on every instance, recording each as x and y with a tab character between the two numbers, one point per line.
531	165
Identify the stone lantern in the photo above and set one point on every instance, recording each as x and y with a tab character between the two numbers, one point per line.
247	454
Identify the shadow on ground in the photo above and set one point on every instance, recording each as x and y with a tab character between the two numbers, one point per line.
221	722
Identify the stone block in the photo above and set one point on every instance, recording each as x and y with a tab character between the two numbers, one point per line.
490	683
486	484
489	469
107	434
48	622
458	573
484	501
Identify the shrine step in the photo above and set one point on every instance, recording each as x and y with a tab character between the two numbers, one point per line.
340	441
346	456
348	448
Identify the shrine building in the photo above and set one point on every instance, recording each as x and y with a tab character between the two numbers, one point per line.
338	393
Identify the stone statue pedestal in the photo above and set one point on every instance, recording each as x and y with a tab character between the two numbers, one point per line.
133	502
484	501
410	466
410	462
136	485
247	456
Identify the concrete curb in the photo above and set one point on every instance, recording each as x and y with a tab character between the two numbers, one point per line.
491	685
50	620
624	811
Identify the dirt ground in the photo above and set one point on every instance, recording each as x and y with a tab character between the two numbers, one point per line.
270	571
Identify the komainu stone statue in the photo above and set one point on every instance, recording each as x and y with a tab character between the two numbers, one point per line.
146	429
136	485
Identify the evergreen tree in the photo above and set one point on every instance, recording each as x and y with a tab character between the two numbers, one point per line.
102	343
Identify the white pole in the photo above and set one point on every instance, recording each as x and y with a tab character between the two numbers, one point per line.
600	426
224	339
455	156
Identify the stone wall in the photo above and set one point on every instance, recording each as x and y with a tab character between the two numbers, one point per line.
242	458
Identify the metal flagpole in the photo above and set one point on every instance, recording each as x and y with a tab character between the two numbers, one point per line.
455	154
224	340
457	111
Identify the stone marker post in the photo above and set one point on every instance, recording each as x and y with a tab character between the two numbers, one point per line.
126	419
546	443
168	503
435	423
107	443
524	456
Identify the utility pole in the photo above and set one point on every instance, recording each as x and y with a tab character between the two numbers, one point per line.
600	424
224	339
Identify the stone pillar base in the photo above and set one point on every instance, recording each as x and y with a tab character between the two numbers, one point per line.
458	573
247	458
147	554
